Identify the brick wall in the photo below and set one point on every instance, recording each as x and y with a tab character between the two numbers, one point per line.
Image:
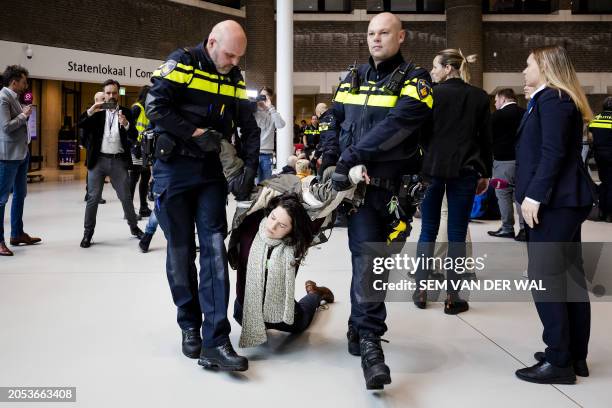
260	61
136	28
333	46
589	44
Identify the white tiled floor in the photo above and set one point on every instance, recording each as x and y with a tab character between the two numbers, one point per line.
102	320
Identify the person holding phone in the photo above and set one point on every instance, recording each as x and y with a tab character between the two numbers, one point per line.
268	120
111	133
14	155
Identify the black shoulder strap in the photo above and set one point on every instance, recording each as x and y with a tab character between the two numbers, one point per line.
396	79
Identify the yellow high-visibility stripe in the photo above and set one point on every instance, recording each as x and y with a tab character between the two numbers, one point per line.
601	124
227	90
384	101
410	89
204	85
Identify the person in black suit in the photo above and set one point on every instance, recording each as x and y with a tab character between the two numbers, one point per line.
458	162
553	187
504	124
111	133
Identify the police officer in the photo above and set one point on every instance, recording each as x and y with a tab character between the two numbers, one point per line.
601	129
327	144
311	136
381	109
198	96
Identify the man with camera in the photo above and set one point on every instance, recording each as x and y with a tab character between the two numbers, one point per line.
268	120
111	134
198	97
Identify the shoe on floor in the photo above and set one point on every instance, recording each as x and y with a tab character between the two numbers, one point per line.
222	358
545	373
326	295
521	236
137	232
454	305
191	343
24	239
4	251
500	233
580	366
375	371
144	242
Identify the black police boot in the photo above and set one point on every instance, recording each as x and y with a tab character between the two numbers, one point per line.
222	358
192	343
137	232
86	241
145	241
375	371
353	341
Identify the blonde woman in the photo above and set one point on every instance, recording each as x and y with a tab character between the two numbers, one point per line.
458	160
554	190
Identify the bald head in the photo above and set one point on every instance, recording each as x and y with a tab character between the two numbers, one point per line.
99	97
226	45
320	109
385	36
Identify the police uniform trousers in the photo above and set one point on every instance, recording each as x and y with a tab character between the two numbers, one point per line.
555	258
368	225
184	200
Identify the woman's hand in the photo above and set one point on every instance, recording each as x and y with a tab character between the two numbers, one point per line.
530	212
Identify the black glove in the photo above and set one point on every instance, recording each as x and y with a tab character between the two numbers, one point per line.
209	141
340	179
242	185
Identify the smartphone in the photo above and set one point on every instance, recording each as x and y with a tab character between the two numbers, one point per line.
108	105
260	98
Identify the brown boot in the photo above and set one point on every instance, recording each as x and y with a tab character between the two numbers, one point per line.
322	291
4	251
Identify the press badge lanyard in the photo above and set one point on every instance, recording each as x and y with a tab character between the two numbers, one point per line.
112	121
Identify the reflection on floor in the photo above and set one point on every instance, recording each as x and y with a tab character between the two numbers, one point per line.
102	320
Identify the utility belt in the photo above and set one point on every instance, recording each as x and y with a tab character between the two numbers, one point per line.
410	189
408	193
163	146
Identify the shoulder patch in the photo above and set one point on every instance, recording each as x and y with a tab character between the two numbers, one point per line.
167	67
423	88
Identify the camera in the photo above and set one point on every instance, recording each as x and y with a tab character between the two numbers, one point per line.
28	52
109	105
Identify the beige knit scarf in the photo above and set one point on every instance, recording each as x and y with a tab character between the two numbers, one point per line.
278	303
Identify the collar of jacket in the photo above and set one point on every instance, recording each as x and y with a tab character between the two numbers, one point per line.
207	63
386	67
452	81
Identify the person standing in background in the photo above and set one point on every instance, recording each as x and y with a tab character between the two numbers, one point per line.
268	120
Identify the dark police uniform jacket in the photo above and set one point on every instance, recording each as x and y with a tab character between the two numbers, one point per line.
601	129
188	93
381	130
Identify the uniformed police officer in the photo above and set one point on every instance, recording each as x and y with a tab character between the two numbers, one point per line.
197	97
311	136
601	129
381	109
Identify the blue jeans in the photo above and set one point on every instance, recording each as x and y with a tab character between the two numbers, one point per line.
13	177
264	171
460	194
152	224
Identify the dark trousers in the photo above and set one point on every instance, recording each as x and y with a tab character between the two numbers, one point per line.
556	259
460	194
201	206
144	175
368	225
117	170
304	309
603	158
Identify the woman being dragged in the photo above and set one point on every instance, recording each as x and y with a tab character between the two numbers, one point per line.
265	293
